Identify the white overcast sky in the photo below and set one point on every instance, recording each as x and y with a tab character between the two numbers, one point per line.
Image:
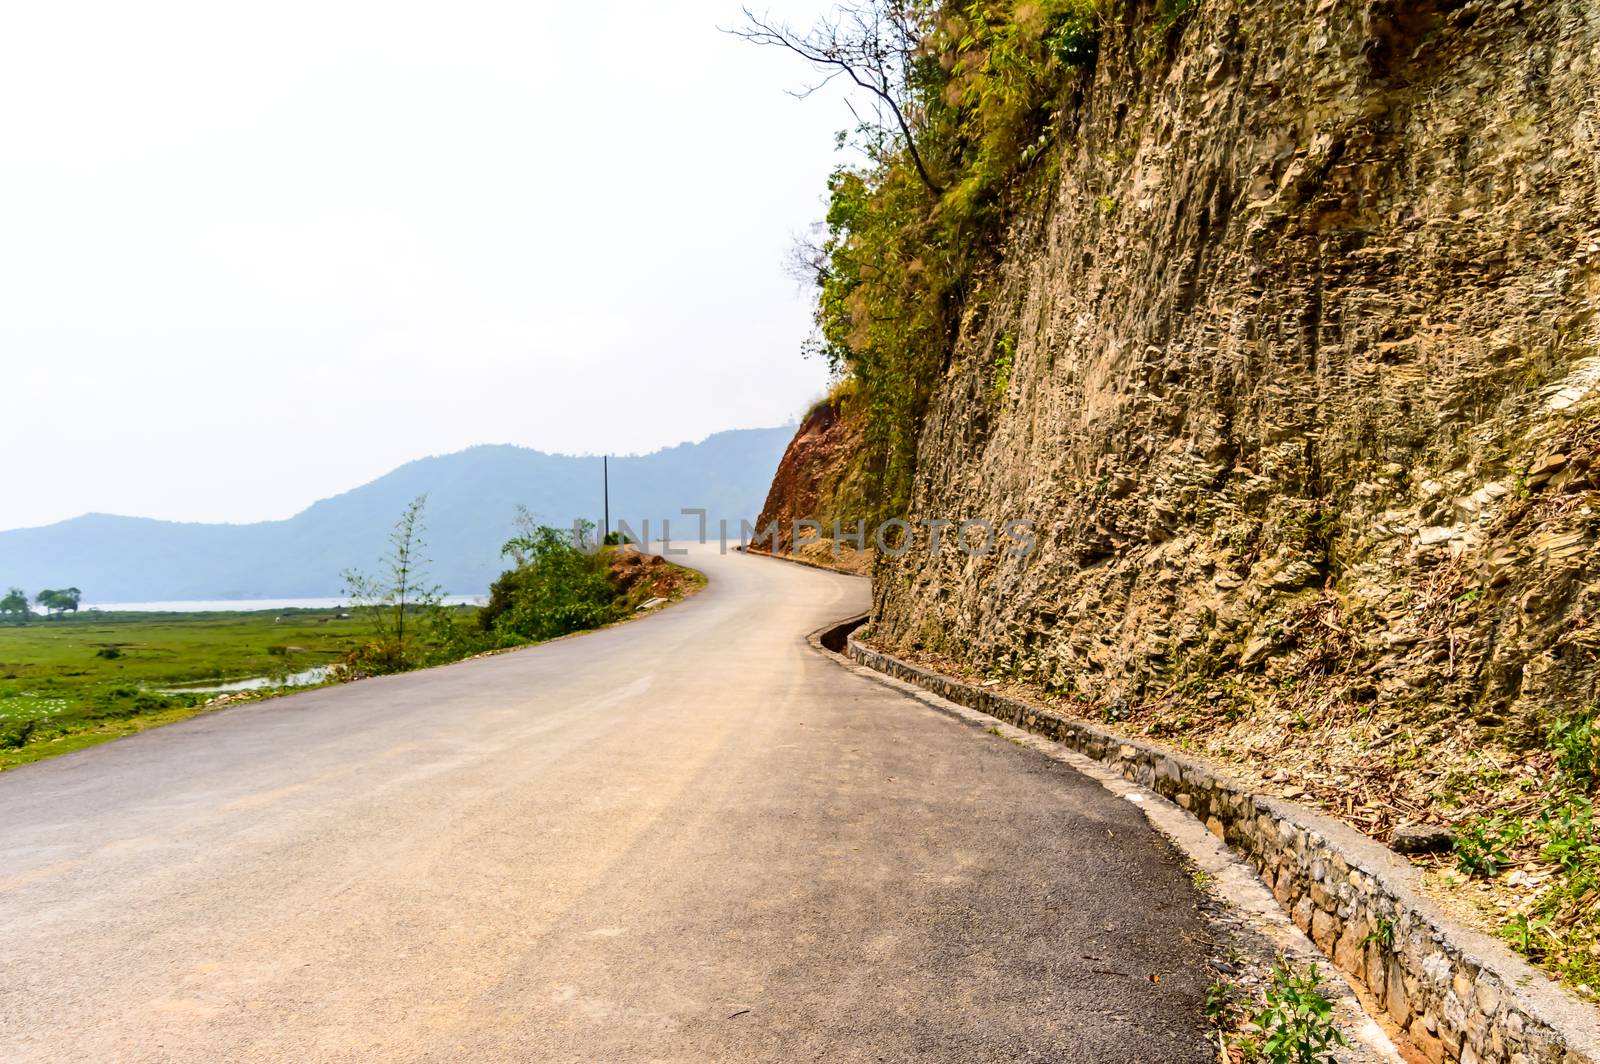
252	255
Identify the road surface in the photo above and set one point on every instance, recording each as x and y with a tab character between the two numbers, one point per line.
689	838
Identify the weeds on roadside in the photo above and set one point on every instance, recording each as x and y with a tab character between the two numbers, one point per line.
1484	847
1291	1024
1576	742
1295	1020
1559	927
1381	936
1222	1005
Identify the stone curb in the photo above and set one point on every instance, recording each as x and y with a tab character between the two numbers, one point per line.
795	559
1458	994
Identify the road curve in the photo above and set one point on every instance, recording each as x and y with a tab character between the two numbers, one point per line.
690	838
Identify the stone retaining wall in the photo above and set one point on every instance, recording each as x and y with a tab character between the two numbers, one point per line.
1458	994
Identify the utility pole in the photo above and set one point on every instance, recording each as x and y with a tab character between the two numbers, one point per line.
605	481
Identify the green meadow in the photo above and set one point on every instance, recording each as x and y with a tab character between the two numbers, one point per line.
73	680
70	682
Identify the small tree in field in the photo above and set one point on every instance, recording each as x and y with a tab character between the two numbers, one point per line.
58	600
15	604
392	600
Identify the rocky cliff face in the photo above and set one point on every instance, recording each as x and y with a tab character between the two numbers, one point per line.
1303	386
818	479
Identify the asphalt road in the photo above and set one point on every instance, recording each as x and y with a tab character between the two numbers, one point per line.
689	838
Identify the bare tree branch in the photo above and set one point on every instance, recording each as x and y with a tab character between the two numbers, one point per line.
869	43
808	262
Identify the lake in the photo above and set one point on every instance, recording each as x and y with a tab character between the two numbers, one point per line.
230	605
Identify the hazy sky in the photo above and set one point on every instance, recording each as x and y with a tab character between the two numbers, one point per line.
255	254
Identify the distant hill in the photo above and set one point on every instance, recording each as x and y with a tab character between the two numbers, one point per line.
472	497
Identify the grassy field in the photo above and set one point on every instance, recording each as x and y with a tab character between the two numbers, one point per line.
72	682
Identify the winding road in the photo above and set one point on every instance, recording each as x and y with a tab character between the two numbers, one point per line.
688	838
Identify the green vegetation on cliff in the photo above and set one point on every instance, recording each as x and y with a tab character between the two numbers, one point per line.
969	97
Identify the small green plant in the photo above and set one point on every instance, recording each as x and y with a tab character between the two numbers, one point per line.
1296	1021
1004	357
1382	934
1523	933
1170	12
1075	39
145	702
1222	1005
1572	838
1201	879
558	585
108	653
1484	847
278	650
1576	742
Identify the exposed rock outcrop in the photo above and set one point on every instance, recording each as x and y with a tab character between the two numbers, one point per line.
819	478
1306	381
